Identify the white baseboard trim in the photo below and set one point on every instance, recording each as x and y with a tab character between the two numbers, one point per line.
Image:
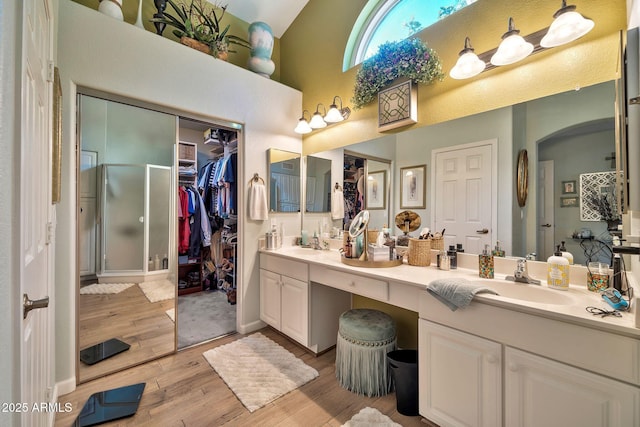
251	327
65	386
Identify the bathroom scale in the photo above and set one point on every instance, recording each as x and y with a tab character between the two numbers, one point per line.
110	405
103	350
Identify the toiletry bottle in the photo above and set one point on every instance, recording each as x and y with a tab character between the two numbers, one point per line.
451	254
459	247
150	264
558	271
498	250
566	254
165	262
305	238
445	261
156	262
485	264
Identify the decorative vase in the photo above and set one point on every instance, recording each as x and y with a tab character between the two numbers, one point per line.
195	44
112	8
261	40
139	18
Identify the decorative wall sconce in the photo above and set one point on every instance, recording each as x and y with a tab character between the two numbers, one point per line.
567	26
319	121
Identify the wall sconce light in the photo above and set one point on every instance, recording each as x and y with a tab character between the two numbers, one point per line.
567	26
468	64
317	121
303	125
335	114
513	47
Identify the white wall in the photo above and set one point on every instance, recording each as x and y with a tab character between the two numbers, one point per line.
98	52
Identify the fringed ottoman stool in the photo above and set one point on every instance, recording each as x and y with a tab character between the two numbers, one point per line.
365	337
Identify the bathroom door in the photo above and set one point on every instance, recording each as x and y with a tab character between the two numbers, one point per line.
546	225
465	194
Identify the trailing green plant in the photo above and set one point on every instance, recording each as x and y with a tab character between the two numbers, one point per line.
409	58
201	21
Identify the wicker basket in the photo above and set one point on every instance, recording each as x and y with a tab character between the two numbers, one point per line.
186	151
419	252
437	243
372	236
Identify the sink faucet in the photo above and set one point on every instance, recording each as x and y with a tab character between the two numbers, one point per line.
521	275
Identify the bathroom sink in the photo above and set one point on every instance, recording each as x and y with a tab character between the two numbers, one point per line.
531	293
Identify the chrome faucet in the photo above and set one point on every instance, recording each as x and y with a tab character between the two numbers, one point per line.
521	275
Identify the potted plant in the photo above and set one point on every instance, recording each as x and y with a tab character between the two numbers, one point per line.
198	26
409	58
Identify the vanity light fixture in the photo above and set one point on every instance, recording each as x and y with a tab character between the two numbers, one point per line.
317	121
567	26
334	115
303	125
513	47
468	64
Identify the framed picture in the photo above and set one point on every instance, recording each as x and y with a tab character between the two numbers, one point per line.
56	149
376	194
413	187
397	106
569	187
569	202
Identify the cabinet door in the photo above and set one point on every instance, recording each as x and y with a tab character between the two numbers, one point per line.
295	309
459	377
270	298
541	392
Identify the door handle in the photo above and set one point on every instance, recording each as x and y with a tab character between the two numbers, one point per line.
546	225
28	304
483	231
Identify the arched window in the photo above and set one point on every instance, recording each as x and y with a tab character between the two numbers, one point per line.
391	20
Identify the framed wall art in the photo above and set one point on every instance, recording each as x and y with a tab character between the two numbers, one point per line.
397	106
413	187
376	193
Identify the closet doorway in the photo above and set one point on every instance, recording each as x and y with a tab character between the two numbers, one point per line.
207	231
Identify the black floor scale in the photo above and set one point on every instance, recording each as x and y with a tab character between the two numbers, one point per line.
110	405
103	350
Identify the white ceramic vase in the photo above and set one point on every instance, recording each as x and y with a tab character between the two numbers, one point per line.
139	18
112	8
261	40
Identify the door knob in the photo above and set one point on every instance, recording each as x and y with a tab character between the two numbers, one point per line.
483	231
546	225
28	304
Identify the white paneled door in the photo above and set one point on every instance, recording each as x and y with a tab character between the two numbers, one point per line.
546	225
36	228
465	197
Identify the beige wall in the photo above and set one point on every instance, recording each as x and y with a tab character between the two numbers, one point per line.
312	53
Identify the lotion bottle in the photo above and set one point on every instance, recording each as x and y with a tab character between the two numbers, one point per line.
498	251
451	254
485	264
558	271
566	254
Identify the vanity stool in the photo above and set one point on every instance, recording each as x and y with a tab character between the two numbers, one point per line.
365	337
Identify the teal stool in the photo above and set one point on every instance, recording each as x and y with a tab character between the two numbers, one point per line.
365	337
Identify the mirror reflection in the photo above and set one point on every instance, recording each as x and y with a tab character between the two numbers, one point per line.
318	185
126	235
284	181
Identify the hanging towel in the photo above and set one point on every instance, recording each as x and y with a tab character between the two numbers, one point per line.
258	202
337	204
456	292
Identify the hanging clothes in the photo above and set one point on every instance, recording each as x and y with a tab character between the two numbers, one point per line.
184	230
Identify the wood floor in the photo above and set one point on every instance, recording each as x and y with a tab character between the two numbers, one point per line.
183	390
129	317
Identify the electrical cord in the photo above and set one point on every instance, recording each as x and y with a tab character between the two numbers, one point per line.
602	312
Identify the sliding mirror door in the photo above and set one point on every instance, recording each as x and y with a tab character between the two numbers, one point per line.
126	235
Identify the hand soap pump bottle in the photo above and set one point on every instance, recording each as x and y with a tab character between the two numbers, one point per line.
558	271
453	261
485	264
498	251
566	254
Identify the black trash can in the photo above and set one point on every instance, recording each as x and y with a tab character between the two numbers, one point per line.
404	371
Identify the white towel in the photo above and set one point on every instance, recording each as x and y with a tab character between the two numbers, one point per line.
258	202
337	204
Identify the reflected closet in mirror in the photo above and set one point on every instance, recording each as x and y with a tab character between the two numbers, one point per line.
284	180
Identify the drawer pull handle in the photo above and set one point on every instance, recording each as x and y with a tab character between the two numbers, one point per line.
492	359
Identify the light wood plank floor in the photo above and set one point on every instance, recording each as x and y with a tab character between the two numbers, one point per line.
183	390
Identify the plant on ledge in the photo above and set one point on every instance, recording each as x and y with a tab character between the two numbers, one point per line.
409	58
198	26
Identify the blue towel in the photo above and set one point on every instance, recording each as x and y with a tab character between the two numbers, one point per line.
456	292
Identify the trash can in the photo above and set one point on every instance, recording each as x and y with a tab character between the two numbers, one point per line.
404	371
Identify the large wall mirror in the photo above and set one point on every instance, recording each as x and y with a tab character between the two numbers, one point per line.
571	134
284	180
318	185
126	236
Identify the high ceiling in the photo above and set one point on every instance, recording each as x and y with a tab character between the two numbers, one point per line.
279	14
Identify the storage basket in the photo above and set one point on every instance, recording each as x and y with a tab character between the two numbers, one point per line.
419	252
372	236
186	152
437	243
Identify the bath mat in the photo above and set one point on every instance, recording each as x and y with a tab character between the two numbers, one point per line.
172	314
159	290
105	288
258	370
370	417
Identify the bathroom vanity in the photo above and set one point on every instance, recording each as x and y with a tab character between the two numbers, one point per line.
529	356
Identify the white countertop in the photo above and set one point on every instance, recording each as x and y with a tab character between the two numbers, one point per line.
569	306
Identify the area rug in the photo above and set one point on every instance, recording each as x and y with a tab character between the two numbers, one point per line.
258	370
105	288
172	314
158	290
370	417
204	316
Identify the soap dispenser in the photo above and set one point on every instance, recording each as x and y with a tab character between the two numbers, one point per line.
558	271
453	260
485	261
498	251
565	254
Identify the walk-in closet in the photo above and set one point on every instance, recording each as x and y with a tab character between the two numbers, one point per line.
207	231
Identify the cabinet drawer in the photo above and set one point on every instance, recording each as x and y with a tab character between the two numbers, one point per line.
365	286
295	269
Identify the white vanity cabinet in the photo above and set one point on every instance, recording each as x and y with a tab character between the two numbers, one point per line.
542	392
284	297
459	377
